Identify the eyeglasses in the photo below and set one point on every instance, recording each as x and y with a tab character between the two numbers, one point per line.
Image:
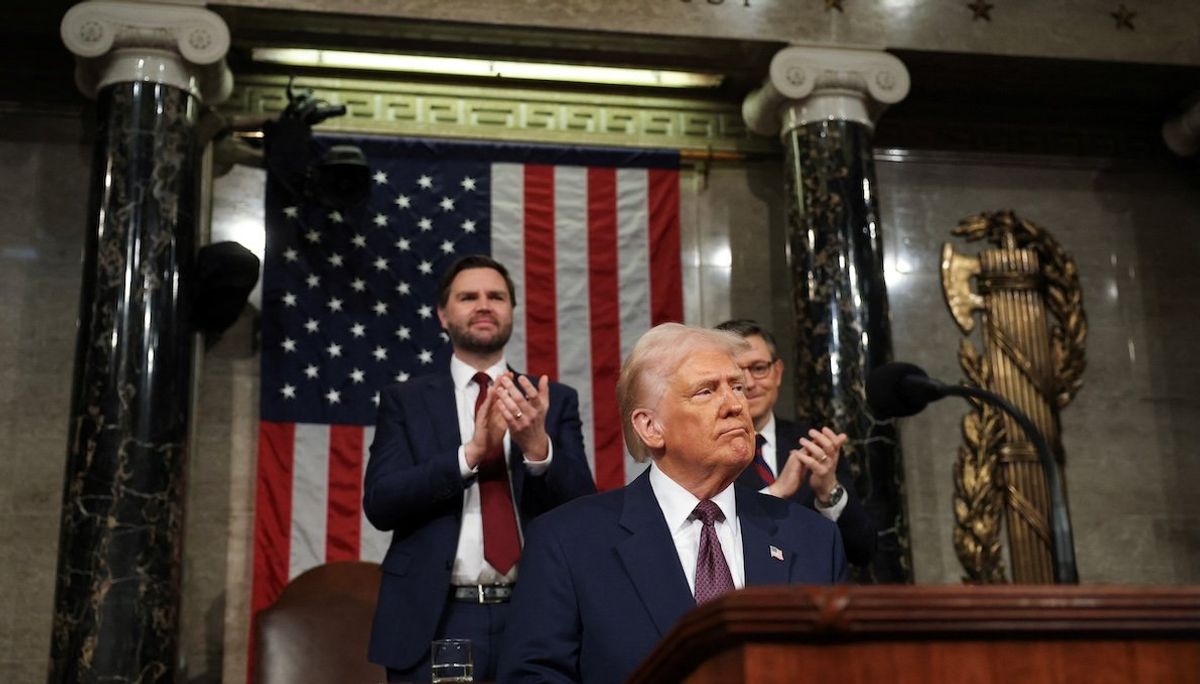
759	370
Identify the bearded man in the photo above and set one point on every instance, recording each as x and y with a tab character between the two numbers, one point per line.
462	460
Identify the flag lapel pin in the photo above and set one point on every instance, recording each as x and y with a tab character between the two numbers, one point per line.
776	553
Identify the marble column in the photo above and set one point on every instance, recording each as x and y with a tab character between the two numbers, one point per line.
151	67
823	103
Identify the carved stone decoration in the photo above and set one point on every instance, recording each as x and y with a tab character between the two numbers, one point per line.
1123	17
980	9
1034	332
806	85
116	41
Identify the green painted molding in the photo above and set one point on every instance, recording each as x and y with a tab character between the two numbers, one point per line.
502	113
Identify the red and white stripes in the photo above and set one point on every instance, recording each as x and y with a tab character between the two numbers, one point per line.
608	241
594	253
309	506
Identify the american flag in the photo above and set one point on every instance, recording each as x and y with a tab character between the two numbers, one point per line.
590	237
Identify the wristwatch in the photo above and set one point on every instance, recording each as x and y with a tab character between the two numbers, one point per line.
834	497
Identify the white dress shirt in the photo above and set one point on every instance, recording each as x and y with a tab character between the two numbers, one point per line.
677	505
768	451
469	565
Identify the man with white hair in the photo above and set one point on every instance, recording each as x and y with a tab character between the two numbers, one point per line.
605	577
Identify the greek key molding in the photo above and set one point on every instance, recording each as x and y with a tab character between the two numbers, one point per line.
526	115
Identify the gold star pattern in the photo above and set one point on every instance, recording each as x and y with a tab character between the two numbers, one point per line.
982	9
834	5
1124	17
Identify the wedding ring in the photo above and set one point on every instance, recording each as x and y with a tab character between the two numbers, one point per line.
519	414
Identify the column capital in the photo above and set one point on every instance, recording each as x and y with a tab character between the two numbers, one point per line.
806	84
174	44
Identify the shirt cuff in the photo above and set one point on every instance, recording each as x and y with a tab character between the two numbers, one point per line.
465	470
538	467
835	511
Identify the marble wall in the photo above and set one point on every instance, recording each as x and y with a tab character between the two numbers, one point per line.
43	209
1129	435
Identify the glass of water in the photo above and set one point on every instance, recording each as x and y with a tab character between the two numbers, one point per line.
451	661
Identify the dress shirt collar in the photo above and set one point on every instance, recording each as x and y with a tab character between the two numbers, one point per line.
464	375
678	503
768	432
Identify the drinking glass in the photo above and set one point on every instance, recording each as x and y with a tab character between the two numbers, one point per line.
451	661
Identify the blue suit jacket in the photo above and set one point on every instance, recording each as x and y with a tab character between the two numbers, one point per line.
413	487
601	582
858	532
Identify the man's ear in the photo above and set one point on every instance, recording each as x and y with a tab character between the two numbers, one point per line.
441	313
777	370
647	427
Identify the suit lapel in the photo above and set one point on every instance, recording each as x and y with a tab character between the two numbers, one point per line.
767	560
443	409
649	557
786	439
789	433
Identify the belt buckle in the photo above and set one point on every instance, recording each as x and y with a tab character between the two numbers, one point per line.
485	598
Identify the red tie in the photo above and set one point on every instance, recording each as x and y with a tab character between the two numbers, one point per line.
760	463
501	543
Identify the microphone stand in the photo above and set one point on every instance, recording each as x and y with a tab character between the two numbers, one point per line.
1062	546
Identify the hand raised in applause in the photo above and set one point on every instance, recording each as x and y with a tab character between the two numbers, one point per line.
820	454
523	407
489	431
816	460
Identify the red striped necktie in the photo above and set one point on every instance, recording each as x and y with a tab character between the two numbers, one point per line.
760	463
501	543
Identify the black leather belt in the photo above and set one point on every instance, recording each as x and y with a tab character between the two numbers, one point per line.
482	593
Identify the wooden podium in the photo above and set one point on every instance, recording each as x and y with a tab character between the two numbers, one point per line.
922	634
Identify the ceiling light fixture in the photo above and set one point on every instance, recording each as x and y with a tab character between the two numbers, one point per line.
456	66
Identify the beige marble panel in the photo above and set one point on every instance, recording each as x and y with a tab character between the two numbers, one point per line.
218	551
714	286
1082	29
1129	434
42	217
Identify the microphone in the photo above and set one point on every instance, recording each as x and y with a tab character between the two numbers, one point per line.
897	390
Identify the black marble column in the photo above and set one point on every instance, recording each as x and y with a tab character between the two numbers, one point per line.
842	325
116	612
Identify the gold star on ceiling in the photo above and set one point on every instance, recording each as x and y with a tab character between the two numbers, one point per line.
1124	17
982	9
834	5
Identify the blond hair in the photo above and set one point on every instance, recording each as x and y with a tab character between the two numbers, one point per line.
655	357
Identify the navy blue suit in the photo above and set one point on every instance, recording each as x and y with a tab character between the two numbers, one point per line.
601	582
858	532
414	488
